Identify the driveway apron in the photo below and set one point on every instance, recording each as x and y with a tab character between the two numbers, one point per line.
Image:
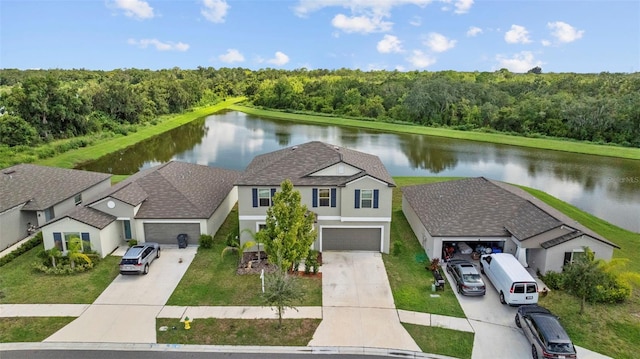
358	308
127	309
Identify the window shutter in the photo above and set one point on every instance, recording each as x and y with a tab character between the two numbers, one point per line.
85	236
314	200
333	197
254	192
57	236
376	193
273	193
357	204
567	258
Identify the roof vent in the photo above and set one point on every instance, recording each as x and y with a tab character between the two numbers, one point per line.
8	172
294	148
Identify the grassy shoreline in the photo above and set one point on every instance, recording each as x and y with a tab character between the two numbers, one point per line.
541	143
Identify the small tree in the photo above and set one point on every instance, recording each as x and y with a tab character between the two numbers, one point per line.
289	228
281	291
583	275
74	252
53	254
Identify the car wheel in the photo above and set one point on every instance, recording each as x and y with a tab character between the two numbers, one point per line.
518	321
146	269
158	253
502	298
534	352
459	289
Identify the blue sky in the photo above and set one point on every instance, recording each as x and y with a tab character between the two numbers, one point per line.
433	35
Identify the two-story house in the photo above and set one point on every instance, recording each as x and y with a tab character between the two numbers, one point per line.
349	191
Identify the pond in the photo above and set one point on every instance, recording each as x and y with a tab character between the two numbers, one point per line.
606	187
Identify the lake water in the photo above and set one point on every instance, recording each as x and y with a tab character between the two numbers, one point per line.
606	187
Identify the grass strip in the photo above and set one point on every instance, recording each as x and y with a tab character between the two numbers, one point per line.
261	332
30	329
442	341
542	143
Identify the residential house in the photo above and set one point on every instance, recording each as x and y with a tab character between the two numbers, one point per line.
155	204
350	193
33	195
479	213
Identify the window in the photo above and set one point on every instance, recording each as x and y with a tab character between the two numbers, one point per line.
264	197
366	198
72	239
518	288
57	241
324	197
532	288
574	255
86	242
77	199
49	214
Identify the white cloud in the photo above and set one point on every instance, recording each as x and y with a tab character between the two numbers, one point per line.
372	7
279	59
438	42
360	24
421	60
520	62
215	10
564	32
415	21
474	31
545	43
517	35
231	56
138	9
389	44
159	45
463	6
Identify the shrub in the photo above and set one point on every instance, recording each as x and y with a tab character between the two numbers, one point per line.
610	291
26	246
398	247
553	280
311	262
132	242
206	241
63	269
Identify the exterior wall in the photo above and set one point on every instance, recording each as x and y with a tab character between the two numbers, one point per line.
109	239
419	230
510	246
347	199
14	224
221	213
121	209
62	208
537	259
555	254
71	225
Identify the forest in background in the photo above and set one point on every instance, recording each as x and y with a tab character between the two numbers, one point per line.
39	106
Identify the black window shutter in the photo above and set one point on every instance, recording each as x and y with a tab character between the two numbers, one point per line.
57	236
85	236
376	193
273	192
567	257
314	200
357	204
254	192
333	197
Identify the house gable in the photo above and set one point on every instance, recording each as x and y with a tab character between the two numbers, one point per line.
338	169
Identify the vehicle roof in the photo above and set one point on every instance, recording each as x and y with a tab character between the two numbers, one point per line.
134	251
512	267
550	327
532	308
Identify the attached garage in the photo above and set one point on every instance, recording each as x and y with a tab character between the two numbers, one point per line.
167	233
351	239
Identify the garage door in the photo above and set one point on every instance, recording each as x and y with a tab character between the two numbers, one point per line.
351	239
166	233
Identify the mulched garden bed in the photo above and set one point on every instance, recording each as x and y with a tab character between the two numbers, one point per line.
254	264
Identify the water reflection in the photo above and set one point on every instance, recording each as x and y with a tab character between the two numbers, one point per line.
608	188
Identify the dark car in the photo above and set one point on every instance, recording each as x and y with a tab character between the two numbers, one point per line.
138	258
466	277
545	333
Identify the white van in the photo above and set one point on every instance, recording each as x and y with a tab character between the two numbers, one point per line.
512	281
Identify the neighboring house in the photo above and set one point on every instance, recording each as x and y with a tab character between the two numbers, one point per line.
155	204
484	213
350	193
32	195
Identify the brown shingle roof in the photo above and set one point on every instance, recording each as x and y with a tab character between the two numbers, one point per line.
482	207
176	190
90	216
43	187
297	163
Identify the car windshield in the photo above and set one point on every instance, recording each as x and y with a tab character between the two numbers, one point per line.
471	278
561	347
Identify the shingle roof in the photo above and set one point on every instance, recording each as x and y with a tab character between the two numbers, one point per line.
297	163
176	190
90	216
43	187
485	208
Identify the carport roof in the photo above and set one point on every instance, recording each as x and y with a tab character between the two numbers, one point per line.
479	207
175	190
298	163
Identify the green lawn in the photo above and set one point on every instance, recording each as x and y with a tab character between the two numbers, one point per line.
443	341
21	284
30	329
212	280
261	332
543	143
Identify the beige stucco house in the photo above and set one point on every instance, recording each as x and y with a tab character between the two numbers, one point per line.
349	191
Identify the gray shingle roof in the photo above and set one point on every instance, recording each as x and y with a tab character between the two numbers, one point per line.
297	163
43	186
90	216
484	208
176	190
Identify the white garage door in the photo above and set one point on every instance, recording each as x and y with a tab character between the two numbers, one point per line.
351	239
167	233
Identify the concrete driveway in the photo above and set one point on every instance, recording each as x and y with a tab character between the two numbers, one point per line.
357	304
496	333
126	311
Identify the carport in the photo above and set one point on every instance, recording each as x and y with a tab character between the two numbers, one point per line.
351	239
166	233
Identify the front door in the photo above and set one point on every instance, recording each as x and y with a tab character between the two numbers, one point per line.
127	229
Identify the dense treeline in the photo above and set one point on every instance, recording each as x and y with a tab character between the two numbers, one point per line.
41	105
